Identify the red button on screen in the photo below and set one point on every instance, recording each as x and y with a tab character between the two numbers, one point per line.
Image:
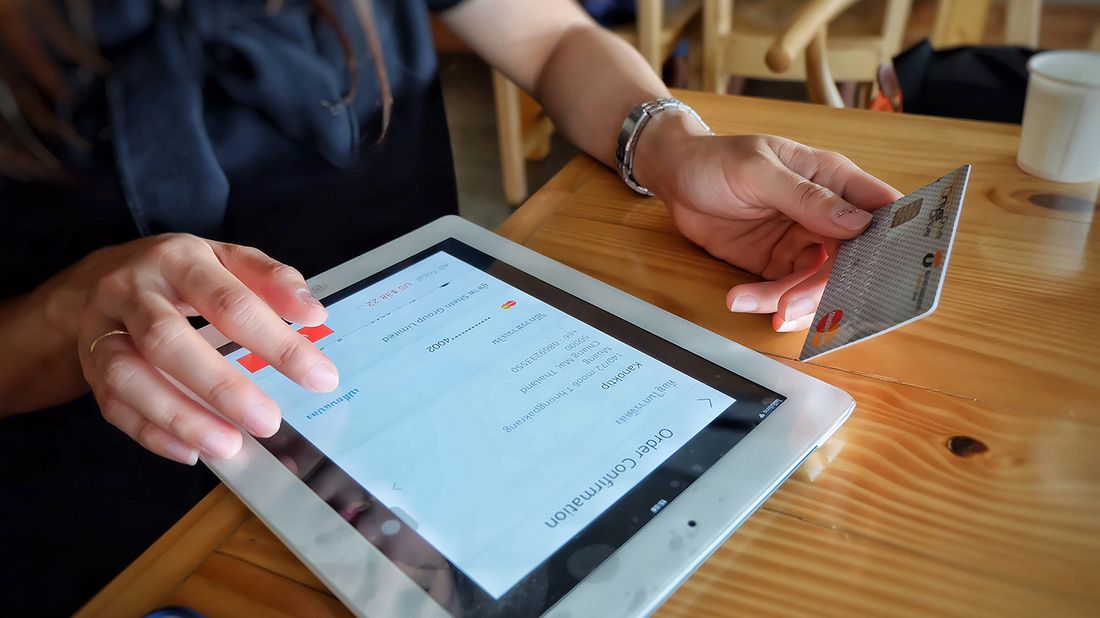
254	363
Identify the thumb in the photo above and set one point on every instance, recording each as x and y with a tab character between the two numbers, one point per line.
817	208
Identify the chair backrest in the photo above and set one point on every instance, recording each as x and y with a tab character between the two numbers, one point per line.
813	20
1022	22
962	22
894	20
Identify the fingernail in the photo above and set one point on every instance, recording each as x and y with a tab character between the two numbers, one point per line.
217	444
322	378
182	453
744	303
261	421
798	308
795	325
308	298
849	217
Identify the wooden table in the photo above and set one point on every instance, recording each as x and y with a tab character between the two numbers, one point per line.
966	482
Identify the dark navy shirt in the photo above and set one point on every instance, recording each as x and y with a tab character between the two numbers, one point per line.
224	121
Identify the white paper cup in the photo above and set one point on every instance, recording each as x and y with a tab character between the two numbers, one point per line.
1060	139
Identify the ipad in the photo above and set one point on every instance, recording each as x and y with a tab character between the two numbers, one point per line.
514	438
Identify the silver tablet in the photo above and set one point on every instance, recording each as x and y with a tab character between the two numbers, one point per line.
512	437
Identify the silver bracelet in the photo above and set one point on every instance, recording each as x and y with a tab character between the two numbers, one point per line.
631	132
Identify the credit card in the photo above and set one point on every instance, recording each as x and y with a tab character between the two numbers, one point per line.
893	273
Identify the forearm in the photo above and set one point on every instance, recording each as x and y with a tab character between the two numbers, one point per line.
588	85
586	78
38	364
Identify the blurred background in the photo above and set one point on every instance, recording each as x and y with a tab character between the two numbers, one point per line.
505	149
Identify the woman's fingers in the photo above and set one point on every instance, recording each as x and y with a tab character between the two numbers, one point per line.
840	175
166	339
145	433
789	327
797	306
122	379
823	191
282	287
241	315
161	382
792	299
815	207
826	194
764	296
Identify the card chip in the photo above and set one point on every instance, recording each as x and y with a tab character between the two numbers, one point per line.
906	213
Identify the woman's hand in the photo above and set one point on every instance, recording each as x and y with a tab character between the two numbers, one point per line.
148	288
766	204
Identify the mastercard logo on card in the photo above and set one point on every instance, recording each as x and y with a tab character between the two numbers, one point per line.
827	326
508	305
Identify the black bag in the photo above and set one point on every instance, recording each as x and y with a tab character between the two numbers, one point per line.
977	83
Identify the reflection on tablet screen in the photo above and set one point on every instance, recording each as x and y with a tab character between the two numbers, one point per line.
494	436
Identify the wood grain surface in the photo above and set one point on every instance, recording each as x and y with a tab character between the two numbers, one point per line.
967	482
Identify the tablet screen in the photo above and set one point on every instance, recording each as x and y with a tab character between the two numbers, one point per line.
496	437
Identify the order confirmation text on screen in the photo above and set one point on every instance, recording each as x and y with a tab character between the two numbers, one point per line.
498	423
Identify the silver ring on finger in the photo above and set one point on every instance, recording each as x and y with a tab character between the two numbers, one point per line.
111	333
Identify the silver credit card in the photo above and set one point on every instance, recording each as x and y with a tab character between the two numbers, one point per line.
893	273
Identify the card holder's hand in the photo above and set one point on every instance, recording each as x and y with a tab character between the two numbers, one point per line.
769	205
132	302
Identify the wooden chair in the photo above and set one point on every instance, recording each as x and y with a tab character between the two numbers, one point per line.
523	130
738	36
962	22
958	22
